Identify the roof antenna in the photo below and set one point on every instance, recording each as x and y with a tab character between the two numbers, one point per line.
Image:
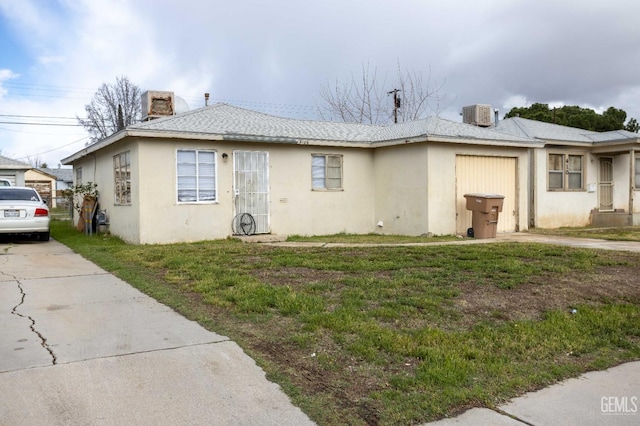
206	99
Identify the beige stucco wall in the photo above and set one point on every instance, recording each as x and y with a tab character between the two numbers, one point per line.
410	188
294	207
401	201
123	219
416	186
554	209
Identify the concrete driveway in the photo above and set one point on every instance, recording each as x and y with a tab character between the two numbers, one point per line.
78	346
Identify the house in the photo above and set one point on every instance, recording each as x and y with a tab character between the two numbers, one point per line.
63	175
580	177
13	170
42	182
193	175
64	181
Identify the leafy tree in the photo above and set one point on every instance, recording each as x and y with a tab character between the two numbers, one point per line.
632	126
113	107
575	116
368	98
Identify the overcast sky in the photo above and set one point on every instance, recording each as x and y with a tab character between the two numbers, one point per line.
274	56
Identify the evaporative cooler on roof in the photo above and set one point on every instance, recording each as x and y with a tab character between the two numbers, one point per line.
478	115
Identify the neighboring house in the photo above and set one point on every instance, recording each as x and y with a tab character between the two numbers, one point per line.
64	178
42	182
13	170
190	176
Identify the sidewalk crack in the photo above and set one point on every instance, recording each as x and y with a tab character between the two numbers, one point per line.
43	340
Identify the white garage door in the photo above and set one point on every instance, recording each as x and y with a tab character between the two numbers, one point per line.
493	175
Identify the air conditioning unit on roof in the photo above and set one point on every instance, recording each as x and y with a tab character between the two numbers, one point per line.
478	115
157	104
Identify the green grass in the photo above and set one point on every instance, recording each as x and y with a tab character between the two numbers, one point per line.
395	335
371	239
626	233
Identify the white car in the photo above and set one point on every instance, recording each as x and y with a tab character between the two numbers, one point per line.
22	211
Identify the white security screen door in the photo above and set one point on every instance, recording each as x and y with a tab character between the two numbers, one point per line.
605	184
251	189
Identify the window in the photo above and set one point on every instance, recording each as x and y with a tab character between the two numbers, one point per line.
122	179
566	172
196	176
326	171
79	176
637	180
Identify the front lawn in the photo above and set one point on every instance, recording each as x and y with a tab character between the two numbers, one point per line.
625	233
396	335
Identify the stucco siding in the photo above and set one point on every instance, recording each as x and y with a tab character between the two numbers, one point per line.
294	207
554	209
124	219
446	196
401	189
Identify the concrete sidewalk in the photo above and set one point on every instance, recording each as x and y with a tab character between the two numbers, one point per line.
78	346
610	397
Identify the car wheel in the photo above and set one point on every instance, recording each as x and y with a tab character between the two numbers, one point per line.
44	236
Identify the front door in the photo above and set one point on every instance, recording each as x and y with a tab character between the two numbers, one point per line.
605	184
251	190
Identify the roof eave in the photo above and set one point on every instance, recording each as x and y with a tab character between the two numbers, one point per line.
459	140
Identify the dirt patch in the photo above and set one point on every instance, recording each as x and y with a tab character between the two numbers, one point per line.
531	300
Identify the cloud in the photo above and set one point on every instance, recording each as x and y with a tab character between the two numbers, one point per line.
275	56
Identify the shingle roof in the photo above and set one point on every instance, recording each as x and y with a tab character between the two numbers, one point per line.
228	120
225	119
222	121
10	163
65	175
554	132
439	127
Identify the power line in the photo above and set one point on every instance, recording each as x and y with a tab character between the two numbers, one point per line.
53	149
40	124
37	116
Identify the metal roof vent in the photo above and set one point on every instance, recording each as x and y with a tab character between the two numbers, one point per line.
156	104
478	115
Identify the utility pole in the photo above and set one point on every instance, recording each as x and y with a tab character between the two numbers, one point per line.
396	103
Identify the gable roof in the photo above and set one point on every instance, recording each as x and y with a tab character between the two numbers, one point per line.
10	163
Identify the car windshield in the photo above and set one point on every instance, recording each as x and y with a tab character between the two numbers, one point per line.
19	194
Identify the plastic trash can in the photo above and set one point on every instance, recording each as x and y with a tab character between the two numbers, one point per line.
485	210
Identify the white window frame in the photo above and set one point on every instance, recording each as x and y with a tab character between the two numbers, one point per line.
78	175
323	178
567	171
192	177
637	174
122	179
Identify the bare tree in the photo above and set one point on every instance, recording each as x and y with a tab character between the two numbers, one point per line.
367	99
102	113
35	162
